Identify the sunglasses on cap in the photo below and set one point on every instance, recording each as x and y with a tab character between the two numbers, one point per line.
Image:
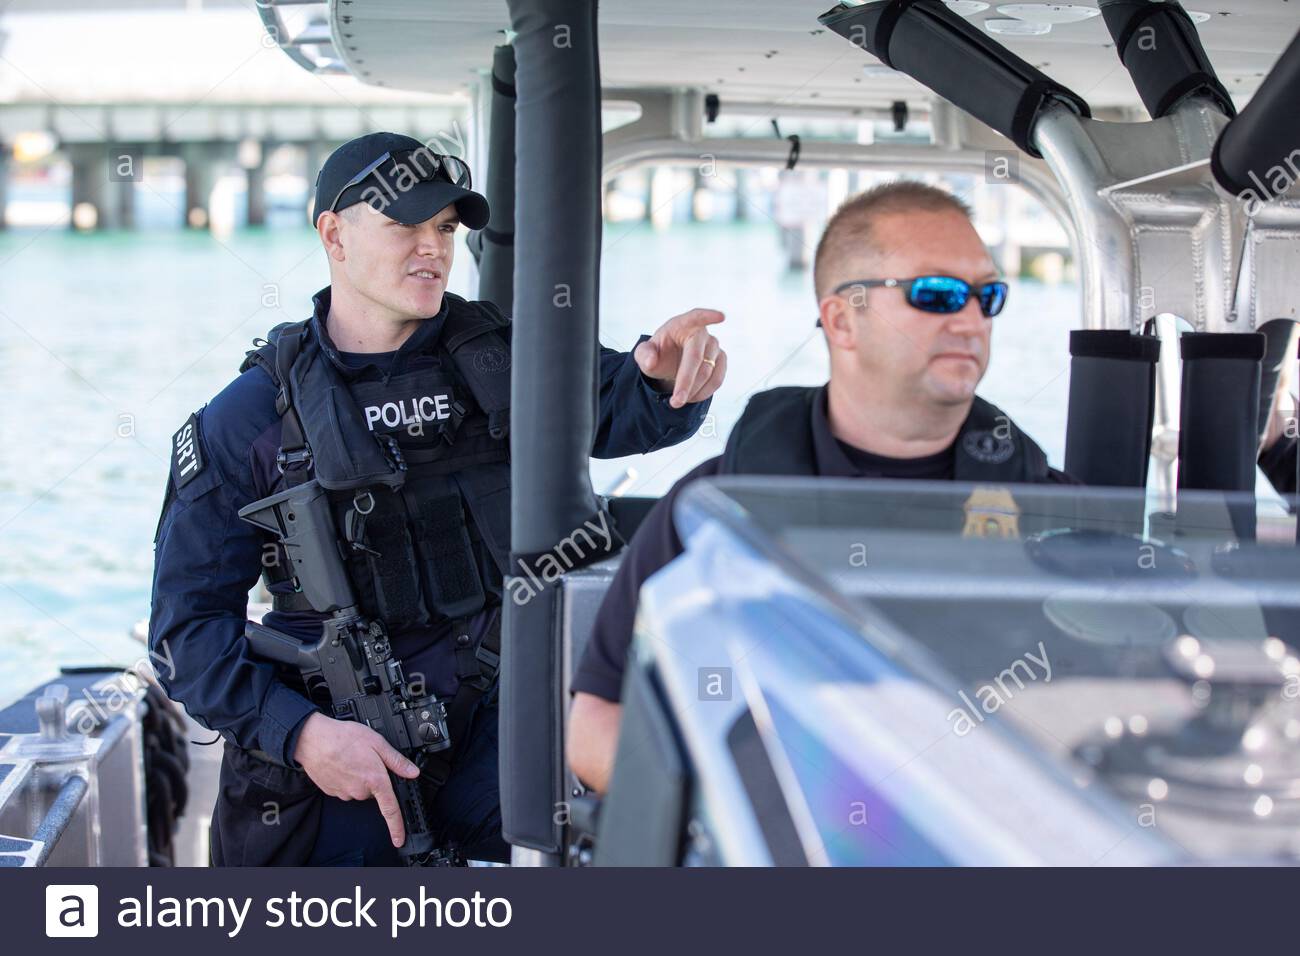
940	294
420	165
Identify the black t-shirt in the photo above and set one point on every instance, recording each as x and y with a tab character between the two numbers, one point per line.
380	360
600	671
940	467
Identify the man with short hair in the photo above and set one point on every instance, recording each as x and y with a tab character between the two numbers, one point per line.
906	294
394	397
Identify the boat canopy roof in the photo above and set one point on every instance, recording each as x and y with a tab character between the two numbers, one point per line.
771	51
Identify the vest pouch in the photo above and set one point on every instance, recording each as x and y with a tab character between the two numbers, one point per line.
486	488
390	559
448	570
489	572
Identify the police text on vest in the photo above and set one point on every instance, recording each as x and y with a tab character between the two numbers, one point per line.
427	408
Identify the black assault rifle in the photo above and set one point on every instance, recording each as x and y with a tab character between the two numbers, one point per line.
353	659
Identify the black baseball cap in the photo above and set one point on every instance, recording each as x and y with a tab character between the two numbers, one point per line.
412	183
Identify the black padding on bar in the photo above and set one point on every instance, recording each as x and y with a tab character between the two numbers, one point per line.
1036	97
1253	154
1245	346
1112	407
1159	46
1219	430
553	383
530	757
956	59
500	238
885	28
1115	344
496	275
502	88
571	552
1192	84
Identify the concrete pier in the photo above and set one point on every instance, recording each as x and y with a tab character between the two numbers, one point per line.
200	177
93	137
4	183
315	153
126	168
91	208
256	190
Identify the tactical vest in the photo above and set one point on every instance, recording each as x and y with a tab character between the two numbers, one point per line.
417	466
774	437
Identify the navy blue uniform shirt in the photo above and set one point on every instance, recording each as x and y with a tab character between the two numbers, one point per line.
207	558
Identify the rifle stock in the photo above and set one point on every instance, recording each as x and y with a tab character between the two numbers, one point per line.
275	646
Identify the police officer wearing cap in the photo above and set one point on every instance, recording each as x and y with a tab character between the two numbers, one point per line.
390	371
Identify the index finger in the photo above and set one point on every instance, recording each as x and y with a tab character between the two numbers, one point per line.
394	760
387	801
699	318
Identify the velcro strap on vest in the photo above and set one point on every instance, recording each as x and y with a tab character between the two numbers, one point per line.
446	555
391	557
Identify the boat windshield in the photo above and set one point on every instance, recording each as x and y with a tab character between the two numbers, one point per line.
1154	652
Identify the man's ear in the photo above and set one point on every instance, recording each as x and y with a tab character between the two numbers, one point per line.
329	227
837	322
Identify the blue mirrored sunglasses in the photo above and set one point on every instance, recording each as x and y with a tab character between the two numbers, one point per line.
941	294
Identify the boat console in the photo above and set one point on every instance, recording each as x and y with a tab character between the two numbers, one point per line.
920	674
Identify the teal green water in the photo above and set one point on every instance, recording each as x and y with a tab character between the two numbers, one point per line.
108	342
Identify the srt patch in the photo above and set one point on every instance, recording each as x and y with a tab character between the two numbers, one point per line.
187	459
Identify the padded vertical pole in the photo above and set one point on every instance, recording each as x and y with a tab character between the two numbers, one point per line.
1218	434
553	399
1219	430
496	270
1112	406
